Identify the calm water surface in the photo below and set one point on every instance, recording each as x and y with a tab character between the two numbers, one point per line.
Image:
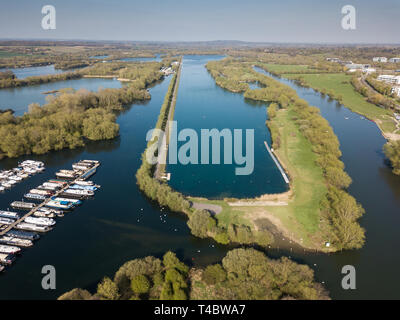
201	104
377	189
18	99
117	225
121	224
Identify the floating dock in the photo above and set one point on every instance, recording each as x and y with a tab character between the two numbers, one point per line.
285	177
91	166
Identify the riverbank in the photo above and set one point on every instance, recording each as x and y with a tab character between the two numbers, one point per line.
340	86
304	140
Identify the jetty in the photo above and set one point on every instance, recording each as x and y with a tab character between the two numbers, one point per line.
284	175
82	175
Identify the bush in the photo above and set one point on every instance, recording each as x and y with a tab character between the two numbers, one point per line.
140	284
214	274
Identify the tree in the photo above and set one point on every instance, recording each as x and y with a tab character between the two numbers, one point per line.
108	290
214	274
140	284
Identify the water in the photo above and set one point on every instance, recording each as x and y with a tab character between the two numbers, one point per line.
98	237
22	73
377	189
143	59
201	104
99	57
18	99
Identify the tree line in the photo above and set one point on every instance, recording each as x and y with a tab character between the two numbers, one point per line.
243	274
200	222
71	118
340	208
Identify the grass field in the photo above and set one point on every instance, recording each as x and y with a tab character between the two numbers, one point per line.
285	68
300	218
340	84
7	54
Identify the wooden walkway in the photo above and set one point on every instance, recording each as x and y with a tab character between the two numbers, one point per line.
9	227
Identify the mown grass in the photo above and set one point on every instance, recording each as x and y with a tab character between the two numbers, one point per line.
340	84
301	216
228	215
306	178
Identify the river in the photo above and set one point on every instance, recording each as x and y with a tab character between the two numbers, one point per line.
117	225
377	189
120	224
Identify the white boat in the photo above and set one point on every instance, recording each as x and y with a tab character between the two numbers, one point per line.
2	188
6	221
51	210
9	214
40	221
79	192
12	182
40	192
6	185
16	241
32	227
51	185
16	178
74	201
84	183
9	249
42	214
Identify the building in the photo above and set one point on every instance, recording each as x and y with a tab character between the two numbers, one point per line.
394	60
389	79
353	67
369	70
333	60
380	59
396	90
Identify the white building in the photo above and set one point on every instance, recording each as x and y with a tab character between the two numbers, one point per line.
397	91
394	60
369	70
380	59
389	79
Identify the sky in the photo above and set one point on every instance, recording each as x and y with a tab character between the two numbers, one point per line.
282	21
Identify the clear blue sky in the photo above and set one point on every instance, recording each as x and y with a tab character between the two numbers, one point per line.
187	20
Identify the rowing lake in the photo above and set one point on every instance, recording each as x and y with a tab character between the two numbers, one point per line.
120	224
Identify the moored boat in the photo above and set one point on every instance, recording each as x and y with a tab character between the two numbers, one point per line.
25	235
9	214
32	227
11	240
9	249
40	221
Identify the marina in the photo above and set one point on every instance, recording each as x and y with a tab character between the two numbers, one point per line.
55	197
25	169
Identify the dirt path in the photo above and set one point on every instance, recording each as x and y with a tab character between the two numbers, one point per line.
213	208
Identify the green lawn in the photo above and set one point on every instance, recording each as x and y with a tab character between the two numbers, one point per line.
285	68
301	216
7	54
340	84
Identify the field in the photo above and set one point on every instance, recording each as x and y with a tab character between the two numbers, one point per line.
298	220
340	84
286	68
7	54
